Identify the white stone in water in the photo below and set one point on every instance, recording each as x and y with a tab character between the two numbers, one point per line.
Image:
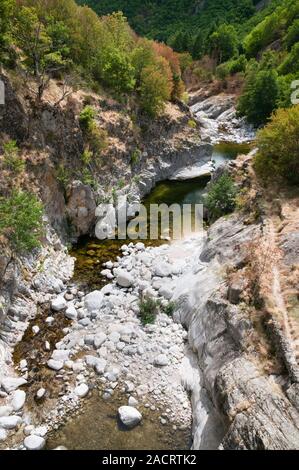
47	346
18	400
50	320
82	390
132	401
93	300
34	442
40	393
9	384
124	279
129	416
59	303
10	422
55	365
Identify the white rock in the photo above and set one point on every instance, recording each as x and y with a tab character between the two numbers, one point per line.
71	313
140	246
5	410
34	442
100	366
82	390
59	303
23	364
35	329
132	401
55	365
40	393
161	360
18	400
124	279
129	416
94	300
61	355
3	434
10	422
99	339
9	384
162	269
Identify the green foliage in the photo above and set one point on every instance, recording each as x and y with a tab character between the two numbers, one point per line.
12	159
21	220
162	20
238	65
292	35
135	157
118	72
169	309
278	150
6	11
260	96
148	310
86	157
155	88
192	124
86	118
221	198
291	62
224	43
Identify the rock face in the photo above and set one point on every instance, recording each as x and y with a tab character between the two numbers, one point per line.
129	416
255	411
81	207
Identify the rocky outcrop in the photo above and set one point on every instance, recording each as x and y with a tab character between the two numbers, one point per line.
255	410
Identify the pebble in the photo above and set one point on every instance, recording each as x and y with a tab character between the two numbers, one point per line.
34	442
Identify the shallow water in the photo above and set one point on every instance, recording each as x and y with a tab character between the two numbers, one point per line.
98	428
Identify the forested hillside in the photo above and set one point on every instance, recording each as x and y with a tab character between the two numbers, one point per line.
164	20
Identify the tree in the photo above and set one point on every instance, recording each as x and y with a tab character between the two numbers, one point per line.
6	10
21	220
40	56
156	87
221	198
118	72
198	49
224	43
260	95
278	149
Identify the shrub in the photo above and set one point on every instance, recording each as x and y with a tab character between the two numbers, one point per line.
169	309
135	157
21	220
221	198
148	310
118	72
12	160
278	154
192	124
86	157
86	118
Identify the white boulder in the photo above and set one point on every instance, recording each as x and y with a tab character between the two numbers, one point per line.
124	279
81	390
9	384
34	442
58	304
10	422
55	365
93	300
18	400
129	416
